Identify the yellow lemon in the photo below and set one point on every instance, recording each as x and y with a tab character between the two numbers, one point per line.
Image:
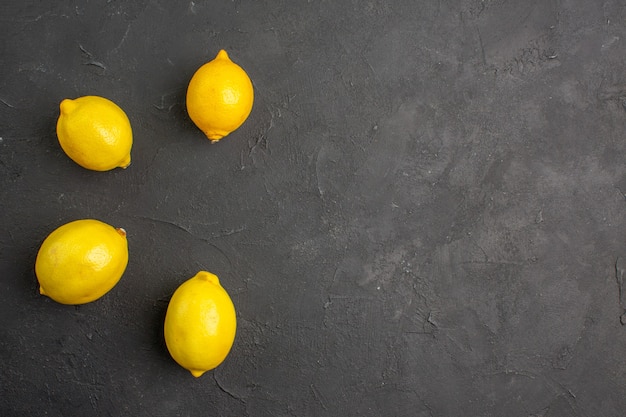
95	133
219	97
200	324
81	261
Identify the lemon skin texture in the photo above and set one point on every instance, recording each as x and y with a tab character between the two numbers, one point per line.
200	324
81	261
95	133
219	97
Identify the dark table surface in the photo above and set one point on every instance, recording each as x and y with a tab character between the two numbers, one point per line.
424	214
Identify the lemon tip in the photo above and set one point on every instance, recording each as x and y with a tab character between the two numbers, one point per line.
67	105
197	373
222	54
126	162
207	276
213	137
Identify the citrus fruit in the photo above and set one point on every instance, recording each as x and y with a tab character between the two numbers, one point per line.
81	261
219	97
95	133
200	324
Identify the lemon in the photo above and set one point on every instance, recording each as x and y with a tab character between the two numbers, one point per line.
219	97
81	261
95	133
200	324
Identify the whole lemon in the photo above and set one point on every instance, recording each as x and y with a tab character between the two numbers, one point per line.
95	133
219	97
200	324
81	261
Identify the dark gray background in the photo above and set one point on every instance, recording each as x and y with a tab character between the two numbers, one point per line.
424	214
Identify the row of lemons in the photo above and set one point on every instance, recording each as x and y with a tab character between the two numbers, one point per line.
84	259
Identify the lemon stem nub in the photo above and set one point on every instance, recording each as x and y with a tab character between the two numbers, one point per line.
196	373
207	276
213	137
121	231
41	291
126	162
67	106
222	54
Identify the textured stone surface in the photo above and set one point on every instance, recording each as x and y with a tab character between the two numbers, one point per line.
424	215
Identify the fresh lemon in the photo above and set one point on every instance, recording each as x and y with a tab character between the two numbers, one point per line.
200	324
95	133
219	97
81	261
